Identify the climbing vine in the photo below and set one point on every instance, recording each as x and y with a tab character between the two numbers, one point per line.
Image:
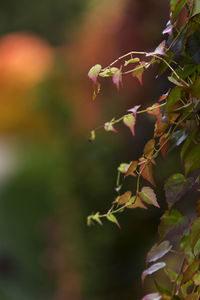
177	124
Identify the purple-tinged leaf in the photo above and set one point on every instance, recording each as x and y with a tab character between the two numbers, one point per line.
153	269
158	251
168	30
94	72
129	120
153	296
117	78
176	186
108	126
159	50
172	224
148	196
134	110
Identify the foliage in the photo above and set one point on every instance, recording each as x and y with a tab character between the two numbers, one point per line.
177	123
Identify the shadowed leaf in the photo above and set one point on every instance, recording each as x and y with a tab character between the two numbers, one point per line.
136	202
160	127
158	251
164	144
195	233
192	159
149	148
153	296
153	269
172	99
189	271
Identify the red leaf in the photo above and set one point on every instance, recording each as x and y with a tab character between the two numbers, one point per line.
129	120
155	110
132	168
149	148
146	171
136	202
160	127
124	198
138	73
164	144
117	78
163	96
148	196
159	50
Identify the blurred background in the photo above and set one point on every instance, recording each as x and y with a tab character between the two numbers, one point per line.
51	177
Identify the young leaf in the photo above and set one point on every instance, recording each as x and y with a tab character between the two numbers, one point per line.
172	224
96	91
108	126
132	168
160	50
92	136
139	70
108	72
196	278
164	144
153	269
195	233
168	30
155	110
129	120
176	186
134	110
94	72
164	96
160	127
148	196
123	168
113	219
196	9
190	270
153	296
158	251
136	202
149	148
131	61
124	198
117	78
146	171
96	218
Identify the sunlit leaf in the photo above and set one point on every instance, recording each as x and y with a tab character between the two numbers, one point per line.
146	171
176	186
108	126
131	61
195	232
134	110
94	73
153	269
196	9
136	202
172	224
117	78
123	168
153	296
132	168
160	50
149	148
124	198
113	219
129	120
190	270
158	251
148	196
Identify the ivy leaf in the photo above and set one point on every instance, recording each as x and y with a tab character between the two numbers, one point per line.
124	198
132	168
176	186
153	269
123	168
164	144
146	171
190	270
173	98
172	224
131	61
113	219
117	78
134	110
153	296
136	202
148	196
160	50
139	70
195	233
149	148
192	159
129	120
94	73
158	251
160	127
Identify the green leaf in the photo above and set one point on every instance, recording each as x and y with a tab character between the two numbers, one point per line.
173	98
195	233
158	251
94	72
148	196
188	142
192	159
185	287
172	224
178	7
176	186
190	271
124	198
165	293
131	61
171	274
129	120
185	245
196	9
195	88
92	136
175	81
108	72
113	219
196	278
123	168
153	269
